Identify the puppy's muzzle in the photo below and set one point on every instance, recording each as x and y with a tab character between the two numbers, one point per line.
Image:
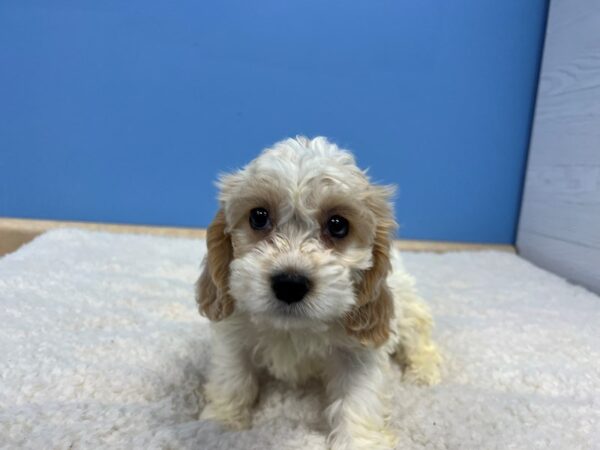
290	287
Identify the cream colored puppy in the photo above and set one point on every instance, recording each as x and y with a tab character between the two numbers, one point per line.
301	279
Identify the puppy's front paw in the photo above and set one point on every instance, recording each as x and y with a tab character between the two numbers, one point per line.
365	439
235	420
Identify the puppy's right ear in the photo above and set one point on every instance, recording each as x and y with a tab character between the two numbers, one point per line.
212	288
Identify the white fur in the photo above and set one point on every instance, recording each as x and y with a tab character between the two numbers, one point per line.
295	343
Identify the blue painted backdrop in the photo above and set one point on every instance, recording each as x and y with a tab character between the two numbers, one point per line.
124	111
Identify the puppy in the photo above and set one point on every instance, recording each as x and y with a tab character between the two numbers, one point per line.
301	280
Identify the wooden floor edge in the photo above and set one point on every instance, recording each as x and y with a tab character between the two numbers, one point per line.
16	232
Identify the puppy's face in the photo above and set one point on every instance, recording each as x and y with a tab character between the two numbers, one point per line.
301	241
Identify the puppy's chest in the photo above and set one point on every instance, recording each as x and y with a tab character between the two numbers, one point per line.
291	357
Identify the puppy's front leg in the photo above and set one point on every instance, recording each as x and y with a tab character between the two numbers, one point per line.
232	385
359	408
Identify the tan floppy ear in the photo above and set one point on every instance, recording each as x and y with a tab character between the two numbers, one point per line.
212	288
369	320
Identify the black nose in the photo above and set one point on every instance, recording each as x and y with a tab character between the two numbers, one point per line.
290	287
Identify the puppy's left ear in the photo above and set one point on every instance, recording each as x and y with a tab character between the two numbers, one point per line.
212	288
369	320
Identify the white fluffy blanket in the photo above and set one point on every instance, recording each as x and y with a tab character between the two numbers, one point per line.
101	346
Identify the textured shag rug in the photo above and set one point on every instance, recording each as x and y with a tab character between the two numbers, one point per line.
101	346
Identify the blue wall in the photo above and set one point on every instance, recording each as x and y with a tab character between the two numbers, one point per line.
124	111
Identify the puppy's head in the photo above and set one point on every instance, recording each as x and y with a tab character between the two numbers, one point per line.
302	240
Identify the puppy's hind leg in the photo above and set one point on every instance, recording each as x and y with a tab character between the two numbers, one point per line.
416	352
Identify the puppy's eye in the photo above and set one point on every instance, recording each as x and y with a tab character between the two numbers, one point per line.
259	219
337	226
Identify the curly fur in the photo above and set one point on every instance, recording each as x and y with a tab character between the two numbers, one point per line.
213	285
361	309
